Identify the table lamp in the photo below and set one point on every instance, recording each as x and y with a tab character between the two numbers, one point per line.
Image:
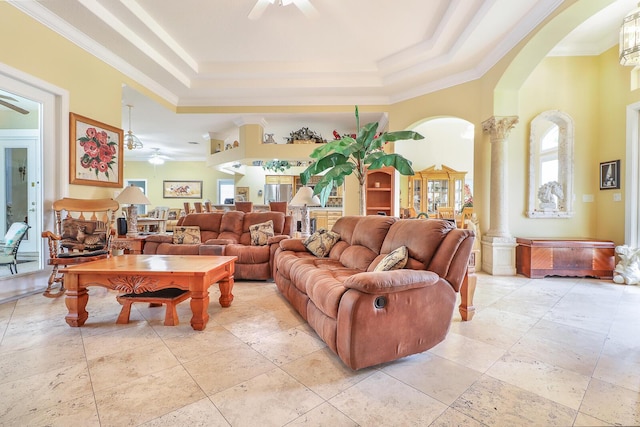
303	198
132	196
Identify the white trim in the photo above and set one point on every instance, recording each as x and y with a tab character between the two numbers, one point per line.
632	185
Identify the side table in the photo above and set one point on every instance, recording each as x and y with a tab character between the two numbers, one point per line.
130	245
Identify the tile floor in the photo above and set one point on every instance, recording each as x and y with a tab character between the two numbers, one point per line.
538	353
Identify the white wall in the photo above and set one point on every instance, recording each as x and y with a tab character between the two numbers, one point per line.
447	141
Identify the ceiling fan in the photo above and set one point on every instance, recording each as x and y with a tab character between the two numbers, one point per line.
305	7
10	105
156	158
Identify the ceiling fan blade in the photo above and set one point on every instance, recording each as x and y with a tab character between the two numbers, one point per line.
14	107
258	9
306	7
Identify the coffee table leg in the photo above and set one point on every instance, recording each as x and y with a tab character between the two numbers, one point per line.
199	306
226	295
76	301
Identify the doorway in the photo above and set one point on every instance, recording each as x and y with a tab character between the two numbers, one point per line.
20	175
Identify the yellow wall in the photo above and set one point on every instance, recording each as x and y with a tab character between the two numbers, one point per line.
175	171
594	91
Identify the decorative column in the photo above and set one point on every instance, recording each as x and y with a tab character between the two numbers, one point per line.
498	246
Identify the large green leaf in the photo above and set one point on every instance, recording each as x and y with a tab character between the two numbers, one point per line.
398	162
322	165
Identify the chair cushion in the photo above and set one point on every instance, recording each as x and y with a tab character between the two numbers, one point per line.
14	233
394	260
189	234
321	242
260	233
82	254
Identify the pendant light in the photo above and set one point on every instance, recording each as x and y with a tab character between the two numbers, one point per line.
630	38
131	141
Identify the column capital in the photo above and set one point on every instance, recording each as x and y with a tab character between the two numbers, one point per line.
499	126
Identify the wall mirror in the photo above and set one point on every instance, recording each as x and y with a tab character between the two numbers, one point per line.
551	166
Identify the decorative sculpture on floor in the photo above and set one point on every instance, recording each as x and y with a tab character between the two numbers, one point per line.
627	270
550	195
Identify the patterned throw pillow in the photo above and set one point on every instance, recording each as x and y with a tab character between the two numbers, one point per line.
188	235
260	233
321	242
394	260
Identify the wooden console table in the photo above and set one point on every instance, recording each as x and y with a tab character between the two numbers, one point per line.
540	257
131	245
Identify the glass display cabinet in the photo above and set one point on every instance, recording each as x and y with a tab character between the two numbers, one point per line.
433	187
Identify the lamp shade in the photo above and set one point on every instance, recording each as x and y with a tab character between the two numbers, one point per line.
305	196
132	195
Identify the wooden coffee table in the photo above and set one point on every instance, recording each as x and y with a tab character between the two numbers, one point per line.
144	273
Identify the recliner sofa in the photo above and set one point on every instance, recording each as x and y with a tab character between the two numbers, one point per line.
228	233
370	317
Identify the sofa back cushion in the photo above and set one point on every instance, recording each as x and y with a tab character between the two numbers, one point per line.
253	218
366	240
209	223
231	225
422	237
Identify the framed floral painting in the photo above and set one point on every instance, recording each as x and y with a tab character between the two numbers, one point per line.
95	153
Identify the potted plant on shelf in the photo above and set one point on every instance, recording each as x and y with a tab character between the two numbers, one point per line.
348	155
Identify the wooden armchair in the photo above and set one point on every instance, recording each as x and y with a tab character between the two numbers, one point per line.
83	230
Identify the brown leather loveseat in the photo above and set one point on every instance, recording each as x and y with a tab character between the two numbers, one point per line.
369	317
227	233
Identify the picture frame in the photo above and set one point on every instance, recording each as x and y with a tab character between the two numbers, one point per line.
242	194
182	189
610	175
95	153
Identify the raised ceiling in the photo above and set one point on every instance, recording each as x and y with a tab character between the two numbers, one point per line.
376	52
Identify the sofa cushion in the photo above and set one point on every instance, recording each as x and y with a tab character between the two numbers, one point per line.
186	234
394	260
260	233
321	242
366	241
231	226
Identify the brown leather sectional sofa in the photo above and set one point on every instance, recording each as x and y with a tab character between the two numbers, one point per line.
227	233
368	317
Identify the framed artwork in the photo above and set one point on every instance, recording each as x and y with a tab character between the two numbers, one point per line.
242	194
610	175
182	189
95	153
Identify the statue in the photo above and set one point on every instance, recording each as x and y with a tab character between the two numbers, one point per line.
550	195
627	270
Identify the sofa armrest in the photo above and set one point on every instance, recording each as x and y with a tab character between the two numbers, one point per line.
277	239
220	242
391	281
295	245
208	249
159	238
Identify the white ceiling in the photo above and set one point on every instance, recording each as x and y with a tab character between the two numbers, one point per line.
208	53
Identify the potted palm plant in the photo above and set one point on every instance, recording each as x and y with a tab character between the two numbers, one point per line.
348	155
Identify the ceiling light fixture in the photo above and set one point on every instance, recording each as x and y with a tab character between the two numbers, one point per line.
630	38
155	158
131	141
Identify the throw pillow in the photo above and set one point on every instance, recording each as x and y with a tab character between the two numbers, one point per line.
188	235
260	233
70	227
321	242
395	260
